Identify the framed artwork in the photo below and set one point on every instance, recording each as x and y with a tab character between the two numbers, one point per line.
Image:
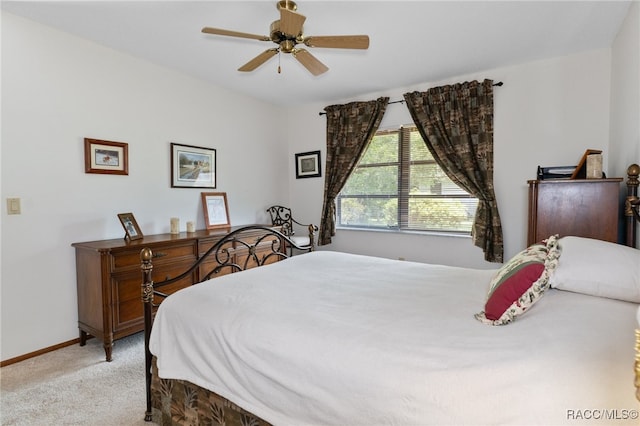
130	226
192	166
216	210
106	157
308	164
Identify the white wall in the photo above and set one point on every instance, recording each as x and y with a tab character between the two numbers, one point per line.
547	113
625	96
58	89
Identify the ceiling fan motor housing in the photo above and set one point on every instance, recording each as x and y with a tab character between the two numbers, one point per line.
286	41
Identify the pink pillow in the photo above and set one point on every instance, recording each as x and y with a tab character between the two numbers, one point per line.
520	282
511	288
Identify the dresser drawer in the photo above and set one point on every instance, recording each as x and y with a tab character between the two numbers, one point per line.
127	290
236	253
208	266
161	254
205	244
247	261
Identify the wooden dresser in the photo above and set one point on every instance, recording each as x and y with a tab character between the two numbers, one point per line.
579	207
109	279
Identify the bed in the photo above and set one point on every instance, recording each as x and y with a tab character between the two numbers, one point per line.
341	339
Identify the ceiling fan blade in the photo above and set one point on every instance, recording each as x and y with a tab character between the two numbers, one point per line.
259	60
338	41
218	31
291	22
309	61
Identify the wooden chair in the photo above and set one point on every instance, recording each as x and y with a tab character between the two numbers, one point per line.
281	216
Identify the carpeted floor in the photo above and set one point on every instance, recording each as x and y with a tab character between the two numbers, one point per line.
76	386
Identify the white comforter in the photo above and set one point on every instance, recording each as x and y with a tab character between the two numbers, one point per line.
331	338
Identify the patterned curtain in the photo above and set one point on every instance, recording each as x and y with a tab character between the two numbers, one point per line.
350	127
456	123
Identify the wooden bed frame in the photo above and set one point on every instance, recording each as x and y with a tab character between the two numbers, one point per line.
236	253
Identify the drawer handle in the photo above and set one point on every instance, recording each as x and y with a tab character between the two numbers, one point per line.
159	254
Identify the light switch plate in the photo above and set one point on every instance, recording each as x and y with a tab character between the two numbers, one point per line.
13	206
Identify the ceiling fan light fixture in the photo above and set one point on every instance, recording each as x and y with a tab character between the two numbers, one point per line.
287	46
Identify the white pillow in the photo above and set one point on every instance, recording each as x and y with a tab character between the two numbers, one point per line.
598	268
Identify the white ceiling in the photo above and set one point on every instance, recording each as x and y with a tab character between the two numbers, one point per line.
411	42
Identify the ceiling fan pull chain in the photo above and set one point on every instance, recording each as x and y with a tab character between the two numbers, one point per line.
279	69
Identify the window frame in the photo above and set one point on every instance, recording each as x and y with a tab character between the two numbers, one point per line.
403	167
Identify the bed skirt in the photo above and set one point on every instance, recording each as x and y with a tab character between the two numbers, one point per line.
178	402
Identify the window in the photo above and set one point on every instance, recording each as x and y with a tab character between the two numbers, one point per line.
398	185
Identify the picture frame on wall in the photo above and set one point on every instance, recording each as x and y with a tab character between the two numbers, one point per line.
192	166
308	165
216	210
131	228
106	157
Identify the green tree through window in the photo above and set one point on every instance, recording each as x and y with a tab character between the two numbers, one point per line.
398	185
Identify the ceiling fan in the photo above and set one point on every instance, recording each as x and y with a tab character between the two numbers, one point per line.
287	34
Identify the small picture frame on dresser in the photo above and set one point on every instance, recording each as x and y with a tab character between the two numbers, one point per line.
131	228
216	210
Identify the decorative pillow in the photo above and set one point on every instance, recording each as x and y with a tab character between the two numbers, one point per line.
520	282
598	268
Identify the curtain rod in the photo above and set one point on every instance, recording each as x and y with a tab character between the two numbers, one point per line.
402	101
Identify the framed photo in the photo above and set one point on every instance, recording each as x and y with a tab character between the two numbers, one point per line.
308	164
216	210
106	157
130	226
192	166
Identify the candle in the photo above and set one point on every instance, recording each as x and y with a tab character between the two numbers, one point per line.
175	225
191	227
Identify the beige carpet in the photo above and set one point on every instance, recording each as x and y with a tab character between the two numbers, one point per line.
76	386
